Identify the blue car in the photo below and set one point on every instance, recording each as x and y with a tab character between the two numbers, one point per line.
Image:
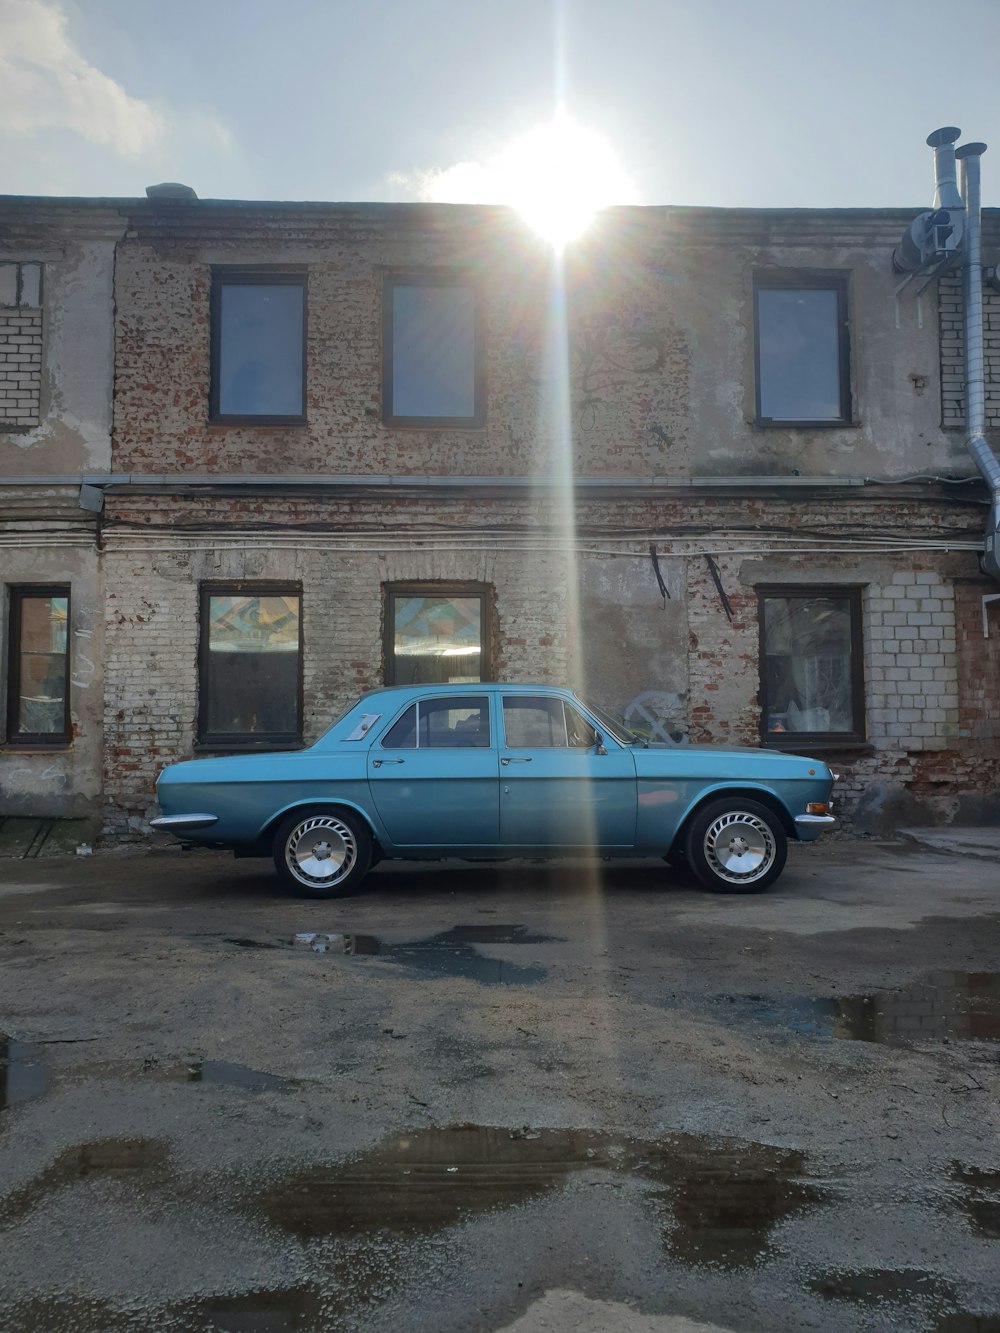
490	772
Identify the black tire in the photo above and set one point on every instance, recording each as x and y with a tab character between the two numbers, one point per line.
322	853
736	846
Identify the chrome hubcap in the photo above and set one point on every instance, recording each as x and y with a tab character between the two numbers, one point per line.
321	851
739	847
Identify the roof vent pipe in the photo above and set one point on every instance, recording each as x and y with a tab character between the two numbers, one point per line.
975	376
932	238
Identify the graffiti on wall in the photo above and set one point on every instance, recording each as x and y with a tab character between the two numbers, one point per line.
657	715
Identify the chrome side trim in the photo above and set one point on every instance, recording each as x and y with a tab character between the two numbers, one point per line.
172	823
816	821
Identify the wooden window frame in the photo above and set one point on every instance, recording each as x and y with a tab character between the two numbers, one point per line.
251	277
434	278
483	591
817	740
15	738
807	281
244	741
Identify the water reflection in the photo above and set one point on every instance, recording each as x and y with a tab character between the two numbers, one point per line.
959	1006
718	1198
452	954
22	1076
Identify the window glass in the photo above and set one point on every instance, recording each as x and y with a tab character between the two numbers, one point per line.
532	723
402	735
808	669
39	656
799	354
435	638
250	659
259	356
454	723
433	351
580	735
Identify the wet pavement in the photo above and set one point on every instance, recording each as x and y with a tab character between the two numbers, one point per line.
485	1099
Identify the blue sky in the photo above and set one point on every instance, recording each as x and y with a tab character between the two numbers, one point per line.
775	103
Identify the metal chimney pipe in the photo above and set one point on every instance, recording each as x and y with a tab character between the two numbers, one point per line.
975	375
946	193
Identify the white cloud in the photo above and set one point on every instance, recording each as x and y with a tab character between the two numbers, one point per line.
46	84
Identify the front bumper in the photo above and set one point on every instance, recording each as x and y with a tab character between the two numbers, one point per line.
178	823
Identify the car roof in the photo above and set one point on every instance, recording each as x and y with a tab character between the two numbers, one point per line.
473	687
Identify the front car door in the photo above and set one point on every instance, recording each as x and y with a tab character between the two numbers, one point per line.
556	788
434	775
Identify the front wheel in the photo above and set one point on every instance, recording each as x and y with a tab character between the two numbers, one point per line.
736	846
322	854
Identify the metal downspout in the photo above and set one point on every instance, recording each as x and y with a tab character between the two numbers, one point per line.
975	375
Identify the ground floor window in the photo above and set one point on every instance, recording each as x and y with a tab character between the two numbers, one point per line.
250	666
38	667
436	634
812	679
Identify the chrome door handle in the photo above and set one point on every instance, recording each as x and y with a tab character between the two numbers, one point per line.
516	759
377	763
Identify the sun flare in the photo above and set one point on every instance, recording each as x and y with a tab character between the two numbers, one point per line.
557	176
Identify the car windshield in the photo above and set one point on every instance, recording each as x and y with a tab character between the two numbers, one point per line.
615	726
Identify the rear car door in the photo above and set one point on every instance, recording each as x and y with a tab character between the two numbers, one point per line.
434	774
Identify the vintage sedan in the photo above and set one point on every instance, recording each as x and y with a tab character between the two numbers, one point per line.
489	772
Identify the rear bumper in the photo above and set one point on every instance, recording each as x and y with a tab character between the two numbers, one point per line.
179	823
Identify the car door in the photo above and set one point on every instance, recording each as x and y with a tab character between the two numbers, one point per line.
558	787
434	774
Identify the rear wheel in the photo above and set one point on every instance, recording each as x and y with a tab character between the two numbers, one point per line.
736	846
322	853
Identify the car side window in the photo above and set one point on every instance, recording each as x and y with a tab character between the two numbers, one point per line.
538	723
402	735
453	723
435	724
580	735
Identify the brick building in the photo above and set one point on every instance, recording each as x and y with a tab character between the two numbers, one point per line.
709	468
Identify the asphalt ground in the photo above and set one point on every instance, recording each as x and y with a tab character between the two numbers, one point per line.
500	1097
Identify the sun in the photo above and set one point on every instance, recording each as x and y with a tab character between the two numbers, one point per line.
556	176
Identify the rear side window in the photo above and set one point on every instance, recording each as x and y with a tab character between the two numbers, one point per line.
436	724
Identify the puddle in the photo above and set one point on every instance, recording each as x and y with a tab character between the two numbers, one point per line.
968	1323
22	1076
243	942
452	954
129	1159
236	1076
717	1198
957	1006
282	1311
877	1286
981	1200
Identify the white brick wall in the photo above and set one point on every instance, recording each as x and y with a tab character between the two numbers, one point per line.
20	360
952	328
910	662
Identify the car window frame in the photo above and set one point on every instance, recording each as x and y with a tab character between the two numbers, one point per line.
566	703
432	698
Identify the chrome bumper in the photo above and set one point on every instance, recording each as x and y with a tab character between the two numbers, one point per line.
177	823
816	821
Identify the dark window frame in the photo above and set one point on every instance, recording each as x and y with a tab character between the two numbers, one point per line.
442	277
223	276
810	740
806	280
244	741
483	591
60	740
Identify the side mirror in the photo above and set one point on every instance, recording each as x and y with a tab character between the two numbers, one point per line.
599	743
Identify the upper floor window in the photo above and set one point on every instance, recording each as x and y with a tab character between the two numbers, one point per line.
803	353
811	670
436	634
250	667
258	347
38	667
432	354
